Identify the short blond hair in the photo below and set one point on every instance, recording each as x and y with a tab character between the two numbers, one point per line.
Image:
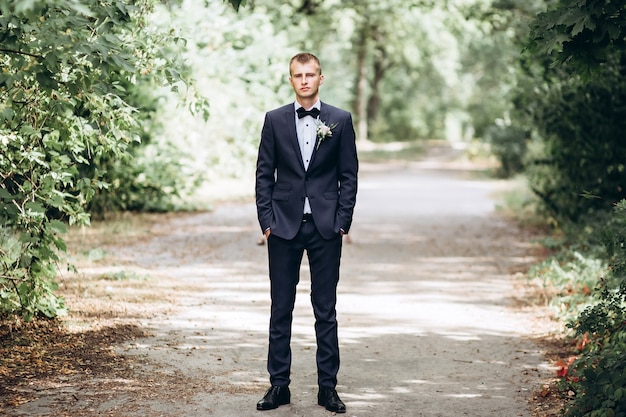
303	58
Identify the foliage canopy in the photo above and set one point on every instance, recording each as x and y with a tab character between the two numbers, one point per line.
577	106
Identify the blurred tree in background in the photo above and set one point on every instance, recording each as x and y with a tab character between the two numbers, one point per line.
110	106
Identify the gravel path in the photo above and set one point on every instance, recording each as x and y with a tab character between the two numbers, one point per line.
427	317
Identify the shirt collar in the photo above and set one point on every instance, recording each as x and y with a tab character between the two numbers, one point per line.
317	105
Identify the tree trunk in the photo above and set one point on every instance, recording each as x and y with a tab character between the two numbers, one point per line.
360	96
374	99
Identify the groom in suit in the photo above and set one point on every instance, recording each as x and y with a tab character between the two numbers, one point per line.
306	184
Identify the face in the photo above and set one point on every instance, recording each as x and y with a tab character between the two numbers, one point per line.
305	79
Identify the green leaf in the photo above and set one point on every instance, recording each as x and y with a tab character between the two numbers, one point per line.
5	195
35	207
57	226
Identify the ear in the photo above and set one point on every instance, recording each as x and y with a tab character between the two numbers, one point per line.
321	79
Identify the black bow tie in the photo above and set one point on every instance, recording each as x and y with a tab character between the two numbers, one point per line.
314	112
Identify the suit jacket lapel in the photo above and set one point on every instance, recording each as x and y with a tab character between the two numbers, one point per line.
324	113
290	122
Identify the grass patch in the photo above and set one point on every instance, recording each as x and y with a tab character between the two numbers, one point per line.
124	276
518	202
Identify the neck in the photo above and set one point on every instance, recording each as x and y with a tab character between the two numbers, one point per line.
308	102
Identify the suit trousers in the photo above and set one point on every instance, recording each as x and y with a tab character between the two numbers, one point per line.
285	258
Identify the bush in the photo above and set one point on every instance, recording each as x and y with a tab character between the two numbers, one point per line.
509	145
65	107
598	376
583	168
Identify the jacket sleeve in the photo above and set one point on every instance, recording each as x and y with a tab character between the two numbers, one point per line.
347	175
265	168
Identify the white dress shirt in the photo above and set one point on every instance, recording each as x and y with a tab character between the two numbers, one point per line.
306	129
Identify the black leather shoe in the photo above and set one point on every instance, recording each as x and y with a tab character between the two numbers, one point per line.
274	397
329	398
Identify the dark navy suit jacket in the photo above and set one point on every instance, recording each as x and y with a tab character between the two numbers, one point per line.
330	182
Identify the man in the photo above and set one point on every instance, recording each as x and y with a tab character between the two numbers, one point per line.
306	184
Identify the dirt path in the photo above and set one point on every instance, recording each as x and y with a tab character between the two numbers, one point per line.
427	324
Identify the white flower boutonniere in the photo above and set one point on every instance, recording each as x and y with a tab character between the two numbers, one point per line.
323	131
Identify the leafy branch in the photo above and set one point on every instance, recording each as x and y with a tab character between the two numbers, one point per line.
13	51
